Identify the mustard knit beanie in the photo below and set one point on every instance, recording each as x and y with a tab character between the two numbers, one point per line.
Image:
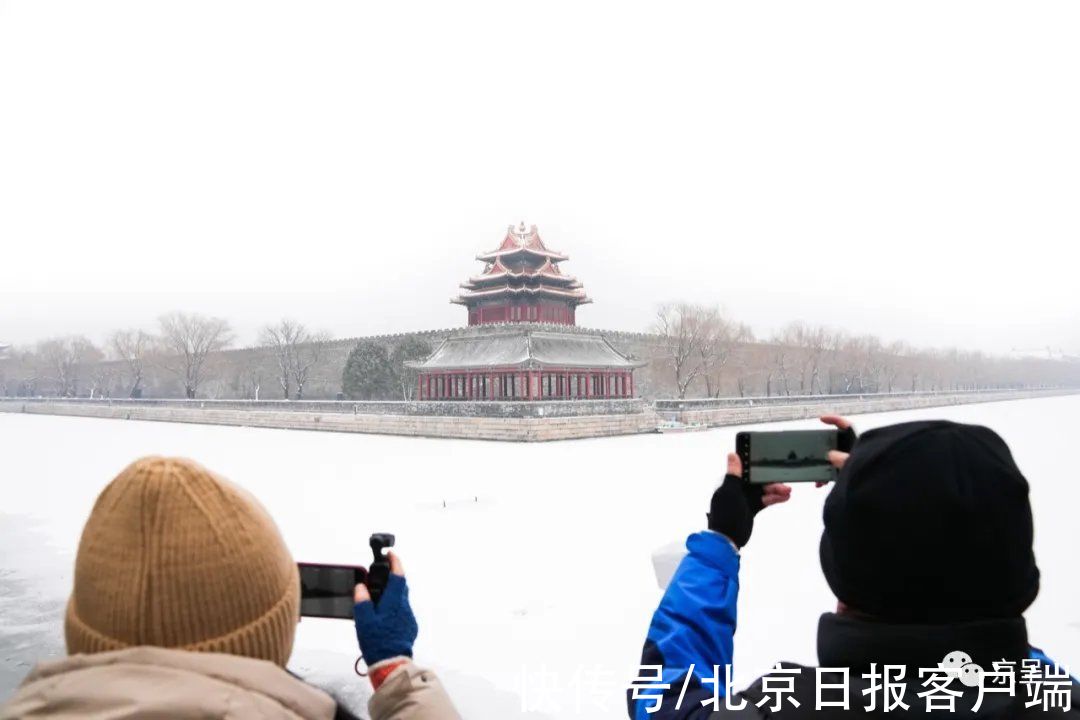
175	556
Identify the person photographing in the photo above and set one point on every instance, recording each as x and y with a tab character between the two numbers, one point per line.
927	546
185	605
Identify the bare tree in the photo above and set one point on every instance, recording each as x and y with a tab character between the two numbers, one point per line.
102	376
187	340
63	358
891	358
27	372
131	347
681	327
308	355
810	344
253	381
281	339
781	365
719	339
296	350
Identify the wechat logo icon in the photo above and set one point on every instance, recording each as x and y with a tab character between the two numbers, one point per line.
966	671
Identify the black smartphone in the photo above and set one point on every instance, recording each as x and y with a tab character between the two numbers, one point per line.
786	456
327	590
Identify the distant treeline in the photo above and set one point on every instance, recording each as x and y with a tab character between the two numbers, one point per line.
691	351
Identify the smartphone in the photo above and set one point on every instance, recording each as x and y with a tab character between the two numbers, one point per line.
787	456
327	590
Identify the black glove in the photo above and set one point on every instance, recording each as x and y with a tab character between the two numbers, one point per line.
733	507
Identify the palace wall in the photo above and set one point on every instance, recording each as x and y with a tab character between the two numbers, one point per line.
528	422
751	370
247	373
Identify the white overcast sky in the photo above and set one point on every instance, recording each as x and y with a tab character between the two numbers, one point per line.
909	169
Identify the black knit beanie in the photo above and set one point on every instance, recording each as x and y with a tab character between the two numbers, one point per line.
930	522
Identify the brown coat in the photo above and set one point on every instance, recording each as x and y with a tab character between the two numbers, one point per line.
151	682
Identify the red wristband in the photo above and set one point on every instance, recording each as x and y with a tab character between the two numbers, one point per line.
379	674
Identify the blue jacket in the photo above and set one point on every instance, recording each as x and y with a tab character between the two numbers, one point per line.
693	630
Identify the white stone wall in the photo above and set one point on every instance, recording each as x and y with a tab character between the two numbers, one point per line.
521	429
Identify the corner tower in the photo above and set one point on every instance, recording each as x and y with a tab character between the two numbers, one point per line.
523	343
522	282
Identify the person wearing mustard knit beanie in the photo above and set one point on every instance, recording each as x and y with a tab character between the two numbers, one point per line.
185	604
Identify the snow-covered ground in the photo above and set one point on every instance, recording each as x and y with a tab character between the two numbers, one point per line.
529	564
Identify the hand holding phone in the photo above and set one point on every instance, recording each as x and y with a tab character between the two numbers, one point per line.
787	456
327	590
735	503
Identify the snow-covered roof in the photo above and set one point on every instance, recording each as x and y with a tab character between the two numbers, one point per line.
570	292
496	271
520	240
523	347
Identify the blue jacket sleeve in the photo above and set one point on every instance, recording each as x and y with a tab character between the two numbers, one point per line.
691	631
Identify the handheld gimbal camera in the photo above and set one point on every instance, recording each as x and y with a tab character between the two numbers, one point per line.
379	572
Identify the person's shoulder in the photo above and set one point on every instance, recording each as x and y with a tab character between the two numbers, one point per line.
160	682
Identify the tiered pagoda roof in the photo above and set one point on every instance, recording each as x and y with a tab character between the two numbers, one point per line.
522	266
524	347
522	342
